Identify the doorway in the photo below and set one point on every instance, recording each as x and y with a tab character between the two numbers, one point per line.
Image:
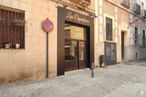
110	53
122	44
75	48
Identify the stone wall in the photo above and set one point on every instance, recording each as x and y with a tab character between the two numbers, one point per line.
30	63
121	20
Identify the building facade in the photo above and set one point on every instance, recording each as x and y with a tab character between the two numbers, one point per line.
47	38
28	53
121	30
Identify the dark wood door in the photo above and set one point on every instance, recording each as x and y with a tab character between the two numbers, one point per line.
75	47
71	55
75	55
82	55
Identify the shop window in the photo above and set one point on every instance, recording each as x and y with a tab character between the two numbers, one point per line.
12	26
136	35
74	32
109	29
143	38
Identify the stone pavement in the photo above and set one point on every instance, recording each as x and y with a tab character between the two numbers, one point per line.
121	80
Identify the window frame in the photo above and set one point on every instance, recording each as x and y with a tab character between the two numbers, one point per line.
136	36
111	28
13	35
143	39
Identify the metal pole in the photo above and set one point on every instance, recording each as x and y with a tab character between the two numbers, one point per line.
92	70
47	60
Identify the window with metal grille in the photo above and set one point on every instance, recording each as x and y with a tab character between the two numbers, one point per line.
12	28
109	29
126	3
136	35
143	38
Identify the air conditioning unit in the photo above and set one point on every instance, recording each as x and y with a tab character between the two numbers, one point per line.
126	3
144	13
137	9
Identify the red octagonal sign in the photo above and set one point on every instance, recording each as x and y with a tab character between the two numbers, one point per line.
48	25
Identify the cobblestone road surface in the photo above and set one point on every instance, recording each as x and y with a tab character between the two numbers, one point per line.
121	80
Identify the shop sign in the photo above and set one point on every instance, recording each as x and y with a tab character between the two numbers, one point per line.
48	25
76	17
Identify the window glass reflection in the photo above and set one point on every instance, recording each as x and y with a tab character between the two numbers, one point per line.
74	32
70	50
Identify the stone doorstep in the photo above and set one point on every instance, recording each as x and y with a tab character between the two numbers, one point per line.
77	71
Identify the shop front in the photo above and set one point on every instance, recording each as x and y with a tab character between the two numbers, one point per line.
75	41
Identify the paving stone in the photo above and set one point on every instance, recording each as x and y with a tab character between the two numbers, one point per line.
121	80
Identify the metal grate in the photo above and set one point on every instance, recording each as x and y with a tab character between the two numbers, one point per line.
109	29
12	26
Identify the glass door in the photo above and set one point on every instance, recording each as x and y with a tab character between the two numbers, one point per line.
75	55
71	55
75	47
82	54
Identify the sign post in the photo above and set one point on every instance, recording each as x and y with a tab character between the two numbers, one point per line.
47	55
48	27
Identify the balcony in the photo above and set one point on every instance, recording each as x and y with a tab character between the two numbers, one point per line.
137	9
89	1
144	13
126	3
82	2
